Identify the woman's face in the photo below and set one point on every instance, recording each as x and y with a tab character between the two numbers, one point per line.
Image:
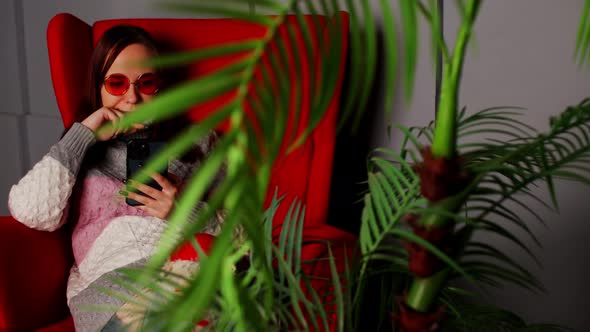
125	64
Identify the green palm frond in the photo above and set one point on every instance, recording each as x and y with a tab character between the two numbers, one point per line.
393	193
251	301
244	310
266	79
363	60
503	172
390	180
506	170
271	96
509	169
272	91
582	53
487	253
495	121
467	317
561	153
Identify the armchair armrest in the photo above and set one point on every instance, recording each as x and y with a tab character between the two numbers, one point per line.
34	268
318	242
315	253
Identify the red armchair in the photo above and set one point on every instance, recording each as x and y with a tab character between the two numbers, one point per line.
35	264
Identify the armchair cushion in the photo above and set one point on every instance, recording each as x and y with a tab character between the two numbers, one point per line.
65	325
35	267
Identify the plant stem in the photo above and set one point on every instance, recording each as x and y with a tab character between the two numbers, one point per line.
445	132
444	141
424	291
434	219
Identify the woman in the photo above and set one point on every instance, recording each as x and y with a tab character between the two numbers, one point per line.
81	177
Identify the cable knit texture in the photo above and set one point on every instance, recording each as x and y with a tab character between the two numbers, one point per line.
40	198
125	240
39	201
99	195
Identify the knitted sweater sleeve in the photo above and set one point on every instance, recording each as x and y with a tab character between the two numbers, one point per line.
40	199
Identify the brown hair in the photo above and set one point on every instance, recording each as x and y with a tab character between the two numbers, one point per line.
110	45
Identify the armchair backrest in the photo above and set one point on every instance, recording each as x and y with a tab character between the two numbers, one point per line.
304	174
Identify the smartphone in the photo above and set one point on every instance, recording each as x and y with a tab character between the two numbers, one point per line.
139	151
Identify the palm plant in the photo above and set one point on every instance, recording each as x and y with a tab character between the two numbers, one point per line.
446	192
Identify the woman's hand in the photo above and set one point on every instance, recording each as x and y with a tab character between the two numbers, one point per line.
157	203
103	115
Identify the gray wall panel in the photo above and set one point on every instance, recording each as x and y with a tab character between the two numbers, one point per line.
10	167
42	133
10	85
420	109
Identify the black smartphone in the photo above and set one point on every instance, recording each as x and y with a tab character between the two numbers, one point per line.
139	151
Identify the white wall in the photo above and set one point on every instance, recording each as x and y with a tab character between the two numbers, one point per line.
524	58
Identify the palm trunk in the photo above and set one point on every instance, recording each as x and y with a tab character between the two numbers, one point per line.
423	292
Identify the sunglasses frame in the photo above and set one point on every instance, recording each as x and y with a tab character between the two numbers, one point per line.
132	83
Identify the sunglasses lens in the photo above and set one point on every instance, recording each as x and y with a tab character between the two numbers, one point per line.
116	84
148	84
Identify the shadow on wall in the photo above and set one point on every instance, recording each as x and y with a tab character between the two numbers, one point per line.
349	170
349	176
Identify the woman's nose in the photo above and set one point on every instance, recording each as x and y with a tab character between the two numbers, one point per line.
132	95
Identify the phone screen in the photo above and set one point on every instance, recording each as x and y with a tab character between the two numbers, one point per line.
139	152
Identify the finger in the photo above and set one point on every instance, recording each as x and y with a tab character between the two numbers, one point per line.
151	211
113	118
138	126
164	183
150	191
135	127
120	114
140	198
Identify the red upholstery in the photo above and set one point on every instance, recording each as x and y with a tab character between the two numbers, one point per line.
70	48
32	290
34	270
312	163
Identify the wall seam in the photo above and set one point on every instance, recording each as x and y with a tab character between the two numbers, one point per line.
43	116
25	157
439	63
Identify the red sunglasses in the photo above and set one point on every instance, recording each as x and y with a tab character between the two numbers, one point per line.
118	84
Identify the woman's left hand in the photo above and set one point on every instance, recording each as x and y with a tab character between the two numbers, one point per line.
158	203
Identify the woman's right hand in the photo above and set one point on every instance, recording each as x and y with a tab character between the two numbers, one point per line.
105	114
